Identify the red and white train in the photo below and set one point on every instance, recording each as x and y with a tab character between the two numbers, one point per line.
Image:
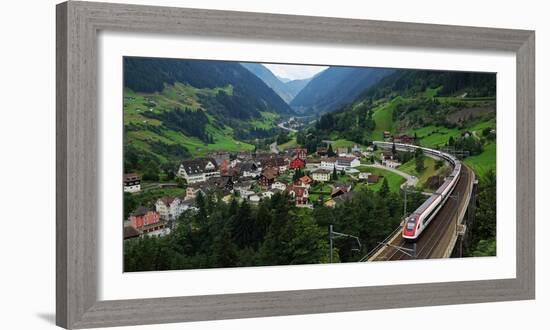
417	221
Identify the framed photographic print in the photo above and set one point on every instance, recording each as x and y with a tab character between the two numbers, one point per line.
216	165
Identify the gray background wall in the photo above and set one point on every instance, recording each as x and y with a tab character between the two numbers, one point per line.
27	169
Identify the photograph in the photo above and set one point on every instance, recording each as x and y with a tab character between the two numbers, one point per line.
246	164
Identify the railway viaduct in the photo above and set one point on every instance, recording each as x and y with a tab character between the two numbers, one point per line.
444	237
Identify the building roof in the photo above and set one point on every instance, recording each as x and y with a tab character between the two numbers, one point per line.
166	200
197	166
298	159
345	160
305	179
343	197
269	173
243	184
273	161
131	177
373	178
212	184
141	210
221	181
130	232
160	224
321	171
248	166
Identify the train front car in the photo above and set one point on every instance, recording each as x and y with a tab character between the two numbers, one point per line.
410	229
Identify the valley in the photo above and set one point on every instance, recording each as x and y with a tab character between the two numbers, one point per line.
233	152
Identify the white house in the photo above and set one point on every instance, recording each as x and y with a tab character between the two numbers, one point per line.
321	175
268	194
279	186
164	205
250	170
192	192
393	163
328	163
242	186
254	198
156	230
178	208
246	193
171	208
132	182
345	163
198	170
364	176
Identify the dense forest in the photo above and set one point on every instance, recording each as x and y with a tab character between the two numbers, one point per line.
412	82
272	233
482	240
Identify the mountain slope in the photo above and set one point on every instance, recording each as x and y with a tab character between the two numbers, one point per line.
335	87
250	93
175	109
438	108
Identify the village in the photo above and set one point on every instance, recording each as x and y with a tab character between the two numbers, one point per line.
325	177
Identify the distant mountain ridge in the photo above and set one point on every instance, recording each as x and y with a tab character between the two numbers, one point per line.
270	80
335	87
286	88
296	86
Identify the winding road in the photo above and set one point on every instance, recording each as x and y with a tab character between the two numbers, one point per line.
282	125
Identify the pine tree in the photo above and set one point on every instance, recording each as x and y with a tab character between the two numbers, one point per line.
224	250
330	152
243	226
419	159
385	188
202	214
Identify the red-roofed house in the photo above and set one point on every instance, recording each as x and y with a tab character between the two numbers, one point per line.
303	182
297	163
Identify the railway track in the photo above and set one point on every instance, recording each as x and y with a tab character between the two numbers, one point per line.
429	244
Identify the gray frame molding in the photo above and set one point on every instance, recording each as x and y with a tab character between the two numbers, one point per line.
77	190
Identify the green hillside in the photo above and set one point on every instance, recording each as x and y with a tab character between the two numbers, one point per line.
150	136
394	181
176	109
441	109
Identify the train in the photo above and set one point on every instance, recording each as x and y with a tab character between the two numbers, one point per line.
416	222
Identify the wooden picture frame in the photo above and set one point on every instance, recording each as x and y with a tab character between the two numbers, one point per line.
78	24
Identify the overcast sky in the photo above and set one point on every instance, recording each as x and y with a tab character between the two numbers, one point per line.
294	71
